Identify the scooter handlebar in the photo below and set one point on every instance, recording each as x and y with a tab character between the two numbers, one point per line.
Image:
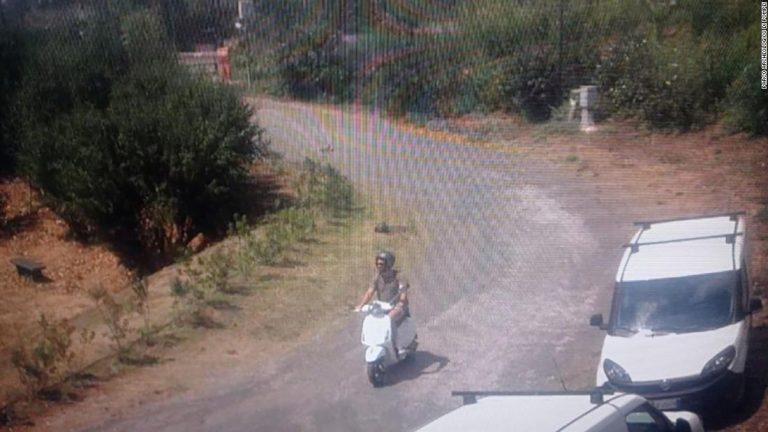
376	305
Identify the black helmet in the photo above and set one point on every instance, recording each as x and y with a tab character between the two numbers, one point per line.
388	258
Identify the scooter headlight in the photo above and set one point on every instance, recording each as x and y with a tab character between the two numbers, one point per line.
720	362
615	373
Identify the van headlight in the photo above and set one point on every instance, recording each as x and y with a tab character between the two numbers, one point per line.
615	373
720	362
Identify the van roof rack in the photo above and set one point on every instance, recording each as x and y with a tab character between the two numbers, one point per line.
733	215
729	239
470	397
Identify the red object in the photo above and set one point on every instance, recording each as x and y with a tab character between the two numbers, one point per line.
222	63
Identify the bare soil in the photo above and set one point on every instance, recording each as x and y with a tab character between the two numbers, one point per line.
704	171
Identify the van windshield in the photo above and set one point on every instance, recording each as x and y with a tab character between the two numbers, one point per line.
685	304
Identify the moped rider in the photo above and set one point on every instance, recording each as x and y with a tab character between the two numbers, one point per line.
388	288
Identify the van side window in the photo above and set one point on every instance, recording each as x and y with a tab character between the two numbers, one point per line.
647	419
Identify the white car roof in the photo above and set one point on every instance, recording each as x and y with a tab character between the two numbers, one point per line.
664	249
534	413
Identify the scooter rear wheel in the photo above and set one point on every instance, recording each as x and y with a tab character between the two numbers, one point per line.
376	374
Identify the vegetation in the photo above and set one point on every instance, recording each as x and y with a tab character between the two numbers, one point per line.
122	140
671	65
12	57
322	187
116	317
187	22
45	362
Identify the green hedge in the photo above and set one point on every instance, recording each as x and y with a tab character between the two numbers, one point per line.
123	140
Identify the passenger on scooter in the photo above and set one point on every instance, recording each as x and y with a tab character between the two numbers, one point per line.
388	288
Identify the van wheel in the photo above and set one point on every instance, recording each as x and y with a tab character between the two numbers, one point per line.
376	374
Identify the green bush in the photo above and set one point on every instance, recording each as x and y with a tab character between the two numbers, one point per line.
122	139
197	21
148	331
292	224
319	71
269	249
44	362
240	230
12	57
268	245
746	106
529	56
115	315
321	186
670	91
190	304
692	56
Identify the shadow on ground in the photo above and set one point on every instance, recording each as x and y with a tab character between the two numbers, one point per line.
754	392
18	224
420	363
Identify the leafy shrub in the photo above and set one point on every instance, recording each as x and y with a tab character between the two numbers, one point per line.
746	103
205	280
692	55
293	224
670	91
240	229
267	245
269	249
44	364
216	272
321	186
319	70
12	57
123	140
115	316
189	301
531	53
147	331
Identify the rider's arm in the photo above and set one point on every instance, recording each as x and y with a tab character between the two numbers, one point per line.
402	302
366	298
403	297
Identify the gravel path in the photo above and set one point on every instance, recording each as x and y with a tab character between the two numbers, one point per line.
519	259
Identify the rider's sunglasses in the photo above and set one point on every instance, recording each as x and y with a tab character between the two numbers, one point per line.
379	263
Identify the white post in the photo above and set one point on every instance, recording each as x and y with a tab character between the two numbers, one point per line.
587	102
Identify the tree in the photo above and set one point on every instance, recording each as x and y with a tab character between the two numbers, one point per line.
124	141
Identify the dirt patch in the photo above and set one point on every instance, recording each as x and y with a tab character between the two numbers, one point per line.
71	268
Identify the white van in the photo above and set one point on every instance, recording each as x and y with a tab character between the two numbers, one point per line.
681	313
560	411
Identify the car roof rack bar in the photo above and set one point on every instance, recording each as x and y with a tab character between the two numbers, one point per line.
729	238
470	397
732	215
733	242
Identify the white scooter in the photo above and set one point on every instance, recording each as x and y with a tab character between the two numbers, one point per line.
377	336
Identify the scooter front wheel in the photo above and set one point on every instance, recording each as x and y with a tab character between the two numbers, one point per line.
376	373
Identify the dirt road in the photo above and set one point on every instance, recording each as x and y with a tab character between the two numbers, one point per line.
518	260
